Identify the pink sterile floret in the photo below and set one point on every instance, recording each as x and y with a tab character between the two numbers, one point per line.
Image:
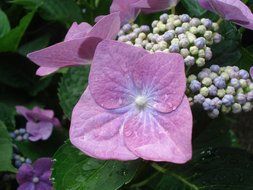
78	46
134	106
232	10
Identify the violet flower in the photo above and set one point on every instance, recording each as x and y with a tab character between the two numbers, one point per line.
251	72
232	10
129	9
134	107
36	176
39	122
78	46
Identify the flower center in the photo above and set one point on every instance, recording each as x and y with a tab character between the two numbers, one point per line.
141	102
35	180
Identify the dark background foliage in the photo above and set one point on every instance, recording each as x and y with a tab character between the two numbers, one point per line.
220	160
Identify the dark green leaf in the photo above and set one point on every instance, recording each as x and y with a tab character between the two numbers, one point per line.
11	40
7	116
246	60
71	87
64	11
5	150
5	25
213	169
37	44
193	7
74	170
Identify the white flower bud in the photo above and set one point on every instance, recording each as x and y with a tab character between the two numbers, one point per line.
204	91
170	26
208	35
177	22
202	53
175	41
163	45
243	83
201	29
207	81
215	27
221	93
194	50
161	26
236	108
184	43
156	30
184	52
247	107
142	35
200	62
230	90
193	30
191	78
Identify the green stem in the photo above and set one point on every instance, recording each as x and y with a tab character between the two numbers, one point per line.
220	21
158	167
188	70
173	10
144	182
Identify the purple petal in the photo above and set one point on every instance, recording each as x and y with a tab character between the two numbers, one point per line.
59	55
23	111
161	137
43	71
159	5
43	112
25	173
42	166
38	131
27	186
78	31
163	75
112	66
97	132
45	177
44	186
232	10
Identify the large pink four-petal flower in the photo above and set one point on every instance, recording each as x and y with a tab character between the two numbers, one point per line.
135	106
78	47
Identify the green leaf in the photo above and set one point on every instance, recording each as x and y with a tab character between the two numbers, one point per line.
193	7
214	169
7	115
227	52
35	150
5	150
71	87
5	25
74	170
246	60
17	72
64	11
11	40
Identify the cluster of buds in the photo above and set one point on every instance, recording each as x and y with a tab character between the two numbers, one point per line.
221	89
18	159
191	37
20	135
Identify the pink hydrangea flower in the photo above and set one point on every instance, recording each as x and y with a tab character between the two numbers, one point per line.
39	122
134	107
129	9
36	176
232	10
78	46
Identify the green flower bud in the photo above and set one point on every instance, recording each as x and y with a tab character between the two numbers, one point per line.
240	91
230	90
194	50
243	83
201	29
207	81
134	26
163	45
175	41
156	30
225	109
236	108
184	52
177	22
204	91
191	78
193	30
155	47
215	27
208	35
221	93
247	107
186	25
200	62
142	35
202	53
161	26
225	76
213	75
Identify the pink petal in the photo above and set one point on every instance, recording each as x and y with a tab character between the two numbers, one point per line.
78	31
98	132
25	173
161	137
43	71
159	5
112	66
106	28
41	130
162	76
59	55
21	110
43	112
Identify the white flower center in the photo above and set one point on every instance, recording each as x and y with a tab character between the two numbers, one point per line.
141	102
35	180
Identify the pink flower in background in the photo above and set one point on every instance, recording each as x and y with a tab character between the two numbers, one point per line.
40	122
78	46
36	176
251	72
135	106
129	9
232	10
